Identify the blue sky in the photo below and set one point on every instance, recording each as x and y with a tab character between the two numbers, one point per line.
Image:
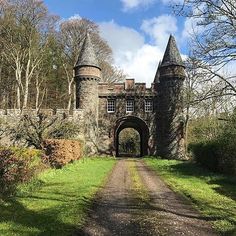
136	30
106	10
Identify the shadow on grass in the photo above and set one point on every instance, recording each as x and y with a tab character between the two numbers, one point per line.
55	205
42	222
225	185
222	184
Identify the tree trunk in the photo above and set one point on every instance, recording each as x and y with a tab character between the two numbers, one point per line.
70	93
186	131
18	74
26	94
37	95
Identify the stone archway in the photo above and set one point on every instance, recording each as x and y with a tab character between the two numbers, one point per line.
137	124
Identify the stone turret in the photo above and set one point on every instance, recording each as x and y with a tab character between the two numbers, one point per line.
170	140
172	64
87	75
157	75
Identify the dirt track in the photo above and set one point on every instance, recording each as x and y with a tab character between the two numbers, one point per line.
117	210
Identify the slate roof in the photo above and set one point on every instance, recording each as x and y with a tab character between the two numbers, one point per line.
172	55
87	55
157	76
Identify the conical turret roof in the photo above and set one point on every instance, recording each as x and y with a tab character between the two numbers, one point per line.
157	76
172	55
87	55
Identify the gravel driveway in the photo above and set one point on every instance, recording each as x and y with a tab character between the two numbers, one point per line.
117	210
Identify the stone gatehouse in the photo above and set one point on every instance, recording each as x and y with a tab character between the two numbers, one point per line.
104	110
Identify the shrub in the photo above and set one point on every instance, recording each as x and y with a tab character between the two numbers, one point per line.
227	151
60	152
17	166
3	127
217	153
64	130
33	130
203	129
129	141
206	154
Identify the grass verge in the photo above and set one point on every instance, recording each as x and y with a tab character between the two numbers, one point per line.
138	187
213	194
55	203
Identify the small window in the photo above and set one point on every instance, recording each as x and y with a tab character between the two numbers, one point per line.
148	105
111	106
129	105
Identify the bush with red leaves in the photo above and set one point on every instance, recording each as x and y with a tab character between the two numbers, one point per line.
13	170
60	152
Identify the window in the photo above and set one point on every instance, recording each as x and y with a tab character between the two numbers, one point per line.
148	105
129	105
111	106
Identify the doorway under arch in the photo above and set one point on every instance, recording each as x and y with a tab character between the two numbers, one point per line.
129	143
139	125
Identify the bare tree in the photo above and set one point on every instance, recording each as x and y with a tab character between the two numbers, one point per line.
111	74
24	28
203	97
214	44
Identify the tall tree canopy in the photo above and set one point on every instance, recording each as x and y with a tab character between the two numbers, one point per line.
37	57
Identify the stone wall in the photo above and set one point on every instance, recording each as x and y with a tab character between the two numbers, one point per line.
11	117
120	92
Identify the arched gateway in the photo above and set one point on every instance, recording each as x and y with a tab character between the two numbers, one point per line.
104	109
137	124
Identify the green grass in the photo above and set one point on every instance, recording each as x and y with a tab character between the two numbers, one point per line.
213	194
139	190
55	203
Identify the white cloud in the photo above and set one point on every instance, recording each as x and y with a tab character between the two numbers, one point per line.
191	28
75	17
123	40
160	28
131	4
169	2
138	59
143	63
188	28
132	53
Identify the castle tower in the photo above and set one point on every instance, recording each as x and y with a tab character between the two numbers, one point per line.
87	74
170	142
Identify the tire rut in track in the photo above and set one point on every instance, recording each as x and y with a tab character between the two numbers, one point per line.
167	212
119	209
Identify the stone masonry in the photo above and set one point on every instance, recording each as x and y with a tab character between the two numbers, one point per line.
104	110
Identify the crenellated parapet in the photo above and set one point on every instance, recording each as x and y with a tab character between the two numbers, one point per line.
127	88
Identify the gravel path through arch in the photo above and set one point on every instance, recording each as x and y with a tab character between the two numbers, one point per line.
135	201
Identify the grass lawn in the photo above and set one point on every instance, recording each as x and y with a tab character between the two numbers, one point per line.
54	203
213	194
